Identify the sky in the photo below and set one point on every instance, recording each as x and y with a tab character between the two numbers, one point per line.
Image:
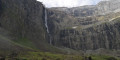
68	3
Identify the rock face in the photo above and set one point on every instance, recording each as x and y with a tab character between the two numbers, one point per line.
24	20
79	11
105	7
87	27
102	8
101	36
22	24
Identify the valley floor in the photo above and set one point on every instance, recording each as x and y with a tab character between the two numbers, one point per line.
51	56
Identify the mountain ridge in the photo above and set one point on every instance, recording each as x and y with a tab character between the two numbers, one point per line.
79	28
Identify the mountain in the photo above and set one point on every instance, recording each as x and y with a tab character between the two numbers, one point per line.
30	31
87	28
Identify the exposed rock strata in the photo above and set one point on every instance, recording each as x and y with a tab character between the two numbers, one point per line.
97	28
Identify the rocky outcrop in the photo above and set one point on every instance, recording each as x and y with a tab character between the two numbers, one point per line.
105	7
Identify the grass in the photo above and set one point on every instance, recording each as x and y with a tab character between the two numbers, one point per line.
25	42
50	56
103	57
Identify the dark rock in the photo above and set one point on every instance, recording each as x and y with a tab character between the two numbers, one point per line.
2	58
24	19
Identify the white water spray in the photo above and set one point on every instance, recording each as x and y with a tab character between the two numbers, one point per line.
46	24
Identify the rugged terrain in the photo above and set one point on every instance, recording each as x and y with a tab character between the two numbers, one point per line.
28	30
94	27
22	27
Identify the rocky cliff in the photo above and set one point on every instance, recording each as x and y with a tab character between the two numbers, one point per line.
105	7
22	24
102	8
87	27
27	27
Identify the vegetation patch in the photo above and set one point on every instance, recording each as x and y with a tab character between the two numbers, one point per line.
25	42
103	57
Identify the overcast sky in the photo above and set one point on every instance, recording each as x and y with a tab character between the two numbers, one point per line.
68	3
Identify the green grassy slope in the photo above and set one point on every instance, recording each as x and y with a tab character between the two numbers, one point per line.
51	56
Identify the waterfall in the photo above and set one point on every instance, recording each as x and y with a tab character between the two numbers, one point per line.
46	25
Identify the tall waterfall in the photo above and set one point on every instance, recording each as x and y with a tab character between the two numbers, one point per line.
46	24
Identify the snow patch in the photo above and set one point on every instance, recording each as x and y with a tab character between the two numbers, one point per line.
74	27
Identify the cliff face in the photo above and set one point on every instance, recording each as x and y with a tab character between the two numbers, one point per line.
102	8
24	20
22	24
105	7
81	11
104	36
87	27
